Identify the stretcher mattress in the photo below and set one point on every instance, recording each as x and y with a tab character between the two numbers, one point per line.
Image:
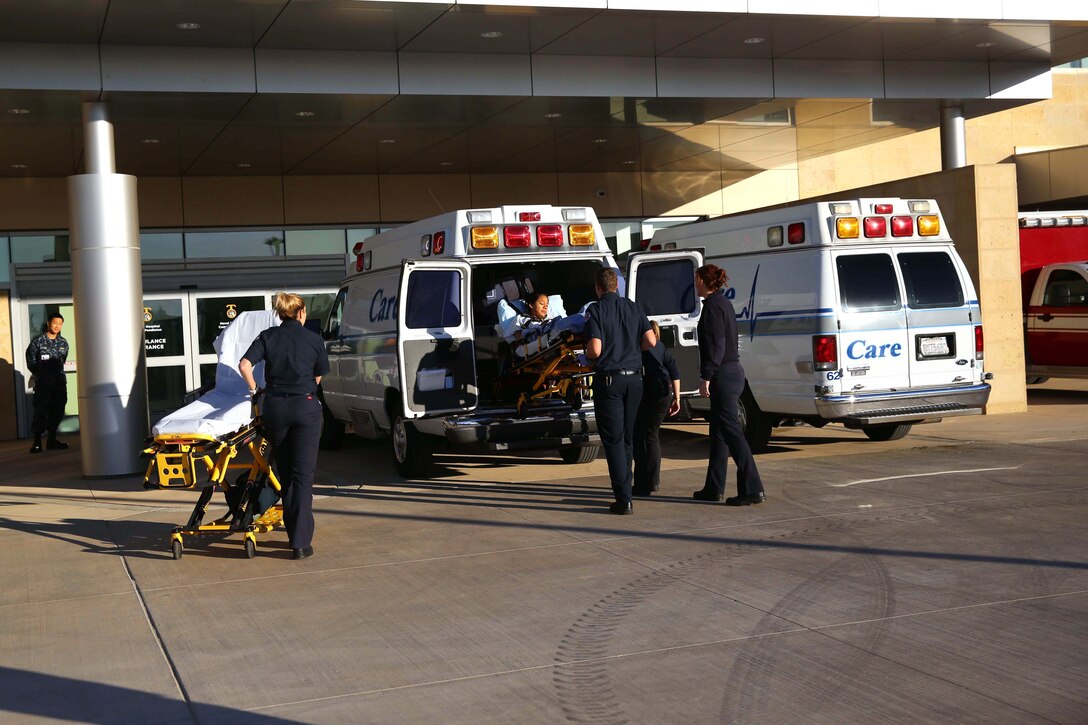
226	408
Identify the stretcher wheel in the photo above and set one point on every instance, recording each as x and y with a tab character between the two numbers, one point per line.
251	548
177	548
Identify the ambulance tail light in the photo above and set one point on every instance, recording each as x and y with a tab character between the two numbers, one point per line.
929	225
528	216
979	342
882	208
549	235
876	226
902	226
485	237
846	227
438	243
516	237
582	235
825	352
795	233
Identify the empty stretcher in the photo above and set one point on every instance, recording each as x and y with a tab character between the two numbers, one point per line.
217	435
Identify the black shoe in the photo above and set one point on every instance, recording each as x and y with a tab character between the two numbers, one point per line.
36	448
304	553
621	509
752	498
54	445
705	494
642	494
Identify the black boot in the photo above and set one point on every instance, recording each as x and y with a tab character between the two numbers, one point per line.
37	447
53	444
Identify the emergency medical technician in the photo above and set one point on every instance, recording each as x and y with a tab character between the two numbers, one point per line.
45	358
660	398
616	334
722	380
294	361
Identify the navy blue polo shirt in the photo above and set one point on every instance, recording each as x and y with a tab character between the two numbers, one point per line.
293	356
619	324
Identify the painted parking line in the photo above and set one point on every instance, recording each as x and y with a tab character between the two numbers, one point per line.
923	475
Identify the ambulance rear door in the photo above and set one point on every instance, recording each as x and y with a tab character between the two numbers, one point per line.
662	284
435	349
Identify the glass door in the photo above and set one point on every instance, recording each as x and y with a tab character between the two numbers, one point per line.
170	373
211	313
34	325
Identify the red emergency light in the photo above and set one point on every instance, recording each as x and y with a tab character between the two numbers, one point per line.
528	216
882	208
876	226
795	233
357	250
902	226
438	243
516	236
549	235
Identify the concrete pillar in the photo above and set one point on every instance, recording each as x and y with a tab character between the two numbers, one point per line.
107	292
953	136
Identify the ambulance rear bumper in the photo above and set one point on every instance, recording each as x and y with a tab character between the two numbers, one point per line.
914	406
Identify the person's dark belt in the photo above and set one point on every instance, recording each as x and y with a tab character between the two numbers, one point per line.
286	395
619	372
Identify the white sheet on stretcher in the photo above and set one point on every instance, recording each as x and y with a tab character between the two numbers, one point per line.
226	407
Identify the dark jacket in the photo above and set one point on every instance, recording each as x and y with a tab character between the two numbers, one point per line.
717	335
659	369
293	357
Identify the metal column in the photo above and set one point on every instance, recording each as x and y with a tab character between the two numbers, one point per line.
953	136
107	293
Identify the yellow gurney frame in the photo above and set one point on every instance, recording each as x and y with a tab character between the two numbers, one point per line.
558	374
177	459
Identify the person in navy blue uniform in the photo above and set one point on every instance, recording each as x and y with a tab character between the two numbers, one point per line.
616	334
722	380
45	358
294	361
660	398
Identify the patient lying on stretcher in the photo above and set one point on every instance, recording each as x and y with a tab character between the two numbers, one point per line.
537	322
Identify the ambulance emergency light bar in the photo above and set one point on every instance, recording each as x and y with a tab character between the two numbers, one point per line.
882	222
488	233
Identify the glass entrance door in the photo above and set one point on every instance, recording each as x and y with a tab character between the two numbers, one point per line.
166	343
211	313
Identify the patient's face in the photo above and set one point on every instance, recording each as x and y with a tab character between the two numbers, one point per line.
540	307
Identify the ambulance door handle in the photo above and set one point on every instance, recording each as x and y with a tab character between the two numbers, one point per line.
688	334
1046	317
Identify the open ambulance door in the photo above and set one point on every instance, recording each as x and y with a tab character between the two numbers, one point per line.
662	284
436	354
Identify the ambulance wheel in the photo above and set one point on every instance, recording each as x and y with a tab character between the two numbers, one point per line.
578	455
889	432
332	430
412	450
251	548
757	426
177	548
1036	379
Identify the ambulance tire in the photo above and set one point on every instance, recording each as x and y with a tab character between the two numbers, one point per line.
888	432
756	424
579	455
1036	379
332	430
412	451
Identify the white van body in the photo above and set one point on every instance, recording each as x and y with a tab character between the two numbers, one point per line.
846	312
411	336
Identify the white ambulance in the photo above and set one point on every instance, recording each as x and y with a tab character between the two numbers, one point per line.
857	311
412	339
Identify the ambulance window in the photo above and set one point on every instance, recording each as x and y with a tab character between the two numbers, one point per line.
867	282
665	288
332	325
931	280
434	299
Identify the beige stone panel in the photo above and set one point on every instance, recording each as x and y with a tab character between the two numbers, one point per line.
8	431
33	203
682	193
1069	173
160	201
610	195
233	200
500	189
775	186
407	198
343	199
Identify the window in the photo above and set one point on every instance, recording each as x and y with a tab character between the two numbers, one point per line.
31	250
434	299
331	330
666	288
267	243
867	282
5	261
322	241
931	280
1066	288
160	245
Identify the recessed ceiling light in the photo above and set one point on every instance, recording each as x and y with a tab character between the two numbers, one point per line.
628	162
18	111
188	26
18	166
305	114
754	41
445	163
553	115
985	44
388	140
600	140
150	140
491	34
244	165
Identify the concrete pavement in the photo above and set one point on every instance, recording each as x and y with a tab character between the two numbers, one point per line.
942	577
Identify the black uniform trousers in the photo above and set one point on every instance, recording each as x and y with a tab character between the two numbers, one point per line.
651	413
50	397
726	438
293	426
615	405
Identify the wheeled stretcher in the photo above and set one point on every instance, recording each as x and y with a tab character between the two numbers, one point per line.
216	436
559	370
